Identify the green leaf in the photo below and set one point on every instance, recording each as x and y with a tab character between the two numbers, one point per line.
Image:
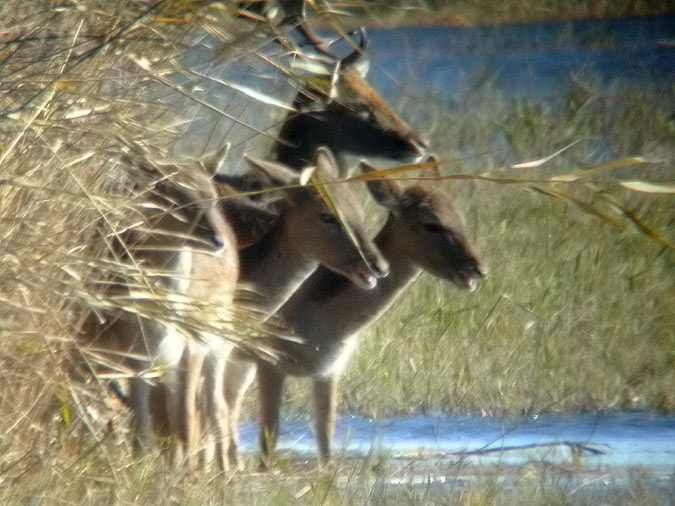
66	413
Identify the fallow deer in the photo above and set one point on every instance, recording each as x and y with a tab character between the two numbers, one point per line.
186	270
349	117
306	235
423	232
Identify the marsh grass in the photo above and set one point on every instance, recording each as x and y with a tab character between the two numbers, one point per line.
576	314
80	84
92	479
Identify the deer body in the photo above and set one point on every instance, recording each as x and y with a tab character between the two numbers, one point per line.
306	235
422	233
352	120
329	311
274	269
188	268
214	278
209	279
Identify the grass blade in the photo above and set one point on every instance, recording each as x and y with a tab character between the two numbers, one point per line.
645	187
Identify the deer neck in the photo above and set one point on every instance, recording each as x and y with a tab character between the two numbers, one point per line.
402	270
328	307
274	269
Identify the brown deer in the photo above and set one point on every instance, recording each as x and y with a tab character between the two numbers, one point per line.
423	232
307	234
186	267
349	117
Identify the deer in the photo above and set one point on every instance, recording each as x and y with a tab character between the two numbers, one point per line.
351	120
186	258
349	117
307	234
423	232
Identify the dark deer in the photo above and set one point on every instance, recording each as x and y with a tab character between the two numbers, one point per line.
307	234
423	232
349	117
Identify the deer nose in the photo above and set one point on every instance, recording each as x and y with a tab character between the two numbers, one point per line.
422	145
217	242
379	266
473	277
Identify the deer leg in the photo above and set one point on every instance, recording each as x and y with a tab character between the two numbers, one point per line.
139	387
170	388
270	390
139	398
238	378
192	361
216	416
325	406
202	427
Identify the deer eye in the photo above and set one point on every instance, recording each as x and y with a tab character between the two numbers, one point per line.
434	228
328	218
364	114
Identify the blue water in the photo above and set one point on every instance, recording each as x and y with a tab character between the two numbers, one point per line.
541	61
534	60
596	441
544	62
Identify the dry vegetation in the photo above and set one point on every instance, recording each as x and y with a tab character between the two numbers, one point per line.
581	320
79	80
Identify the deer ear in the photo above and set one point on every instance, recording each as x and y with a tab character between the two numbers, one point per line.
358	60
326	163
213	162
385	191
306	175
434	171
278	172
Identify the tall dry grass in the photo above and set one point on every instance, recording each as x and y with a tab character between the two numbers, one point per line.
80	82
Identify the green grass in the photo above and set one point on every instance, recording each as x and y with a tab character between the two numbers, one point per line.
98	478
572	318
576	315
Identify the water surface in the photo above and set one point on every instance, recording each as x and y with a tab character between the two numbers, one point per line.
597	441
539	60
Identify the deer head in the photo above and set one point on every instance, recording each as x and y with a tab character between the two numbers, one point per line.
349	117
428	230
178	202
332	235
